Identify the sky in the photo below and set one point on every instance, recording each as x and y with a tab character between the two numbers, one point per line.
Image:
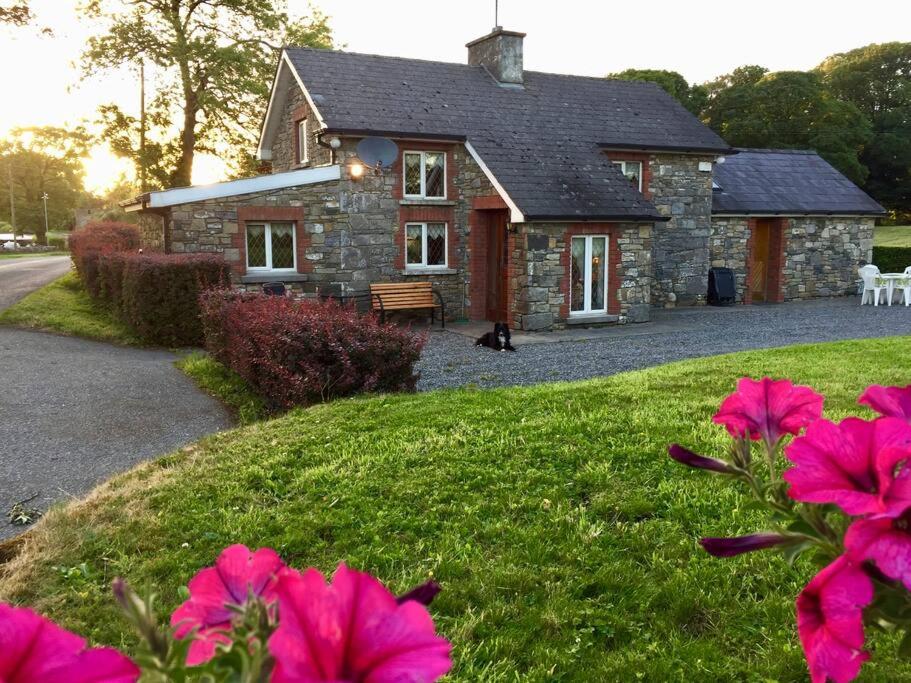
699	39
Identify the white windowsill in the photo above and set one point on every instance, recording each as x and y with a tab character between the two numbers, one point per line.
430	271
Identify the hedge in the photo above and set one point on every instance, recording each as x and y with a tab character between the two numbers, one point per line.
88	245
892	259
295	353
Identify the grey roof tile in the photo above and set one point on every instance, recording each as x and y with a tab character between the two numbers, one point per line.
543	142
786	181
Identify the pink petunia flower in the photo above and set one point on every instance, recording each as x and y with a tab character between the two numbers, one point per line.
853	464
888	401
768	409
237	574
830	621
884	542
352	629
33	648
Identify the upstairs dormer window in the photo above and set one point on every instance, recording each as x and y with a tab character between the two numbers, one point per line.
424	175
633	171
303	151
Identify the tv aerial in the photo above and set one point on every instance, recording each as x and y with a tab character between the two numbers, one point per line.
377	153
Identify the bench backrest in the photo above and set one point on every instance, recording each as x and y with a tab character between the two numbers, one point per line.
403	294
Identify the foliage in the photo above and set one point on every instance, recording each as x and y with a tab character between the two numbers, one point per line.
792	109
693	97
95	240
563	539
211	65
892	259
65	307
17	14
295	353
892	236
877	80
225	385
159	294
43	160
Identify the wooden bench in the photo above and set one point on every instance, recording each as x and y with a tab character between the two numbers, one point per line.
400	296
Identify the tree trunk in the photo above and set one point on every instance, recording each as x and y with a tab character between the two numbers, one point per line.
182	175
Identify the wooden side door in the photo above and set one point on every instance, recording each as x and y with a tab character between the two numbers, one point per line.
761	259
497	260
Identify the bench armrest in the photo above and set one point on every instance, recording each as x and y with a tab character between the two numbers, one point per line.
442	307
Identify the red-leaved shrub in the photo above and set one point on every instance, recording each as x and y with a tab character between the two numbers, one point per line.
91	243
160	294
297	353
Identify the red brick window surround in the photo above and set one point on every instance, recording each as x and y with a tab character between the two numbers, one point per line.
643	159
427	214
268	214
613	264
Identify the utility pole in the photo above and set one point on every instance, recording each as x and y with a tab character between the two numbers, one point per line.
12	201
142	126
44	197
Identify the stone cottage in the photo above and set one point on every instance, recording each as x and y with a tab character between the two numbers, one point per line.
543	200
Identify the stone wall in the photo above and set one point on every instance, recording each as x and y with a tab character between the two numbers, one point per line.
284	147
151	231
822	255
728	248
681	245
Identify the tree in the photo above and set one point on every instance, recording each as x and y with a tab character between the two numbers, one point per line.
789	109
690	96
877	80
213	63
43	160
18	14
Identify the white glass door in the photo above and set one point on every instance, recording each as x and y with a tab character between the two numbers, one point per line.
588	275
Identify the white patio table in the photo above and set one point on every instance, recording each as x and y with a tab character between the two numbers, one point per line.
891	279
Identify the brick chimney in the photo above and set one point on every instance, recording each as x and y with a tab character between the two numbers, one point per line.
501	53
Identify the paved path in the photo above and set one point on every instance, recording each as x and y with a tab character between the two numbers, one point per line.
74	412
451	359
19	276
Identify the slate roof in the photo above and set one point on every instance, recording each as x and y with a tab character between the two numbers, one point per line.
543	142
786	181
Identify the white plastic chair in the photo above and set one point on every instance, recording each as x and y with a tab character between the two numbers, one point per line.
905	285
873	284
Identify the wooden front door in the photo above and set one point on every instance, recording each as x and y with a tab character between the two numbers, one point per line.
497	261
759	268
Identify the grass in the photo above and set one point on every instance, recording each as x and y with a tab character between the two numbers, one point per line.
225	385
39	254
64	306
565	539
892	236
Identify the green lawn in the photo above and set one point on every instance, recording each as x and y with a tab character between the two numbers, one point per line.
64	306
565	539
892	236
225	385
43	253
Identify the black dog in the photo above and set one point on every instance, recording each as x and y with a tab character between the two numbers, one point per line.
498	340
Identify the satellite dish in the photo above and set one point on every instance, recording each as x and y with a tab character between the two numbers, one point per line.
378	153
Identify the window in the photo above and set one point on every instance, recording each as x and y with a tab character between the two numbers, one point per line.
588	275
633	171
271	246
425	174
303	153
425	245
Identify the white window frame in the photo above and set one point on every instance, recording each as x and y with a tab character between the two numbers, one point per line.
622	164
423	264
303	144
587	276
268	233
423	193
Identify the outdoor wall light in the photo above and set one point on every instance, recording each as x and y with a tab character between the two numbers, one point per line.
356	170
335	143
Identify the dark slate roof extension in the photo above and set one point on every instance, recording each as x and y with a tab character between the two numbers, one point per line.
543	142
786	181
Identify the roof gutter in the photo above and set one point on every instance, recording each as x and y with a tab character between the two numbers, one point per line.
785	214
611	218
626	147
401	135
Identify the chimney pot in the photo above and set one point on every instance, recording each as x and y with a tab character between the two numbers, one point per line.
501	53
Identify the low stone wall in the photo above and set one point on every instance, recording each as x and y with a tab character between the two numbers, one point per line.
822	255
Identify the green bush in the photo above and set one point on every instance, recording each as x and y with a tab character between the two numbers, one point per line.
59	243
892	259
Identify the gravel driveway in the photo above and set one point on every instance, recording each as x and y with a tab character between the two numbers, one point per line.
452	360
74	412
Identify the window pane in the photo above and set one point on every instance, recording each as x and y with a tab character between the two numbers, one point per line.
414	245
436	244
577	275
634	171
302	141
282	245
412	174
599	258
256	246
434	168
